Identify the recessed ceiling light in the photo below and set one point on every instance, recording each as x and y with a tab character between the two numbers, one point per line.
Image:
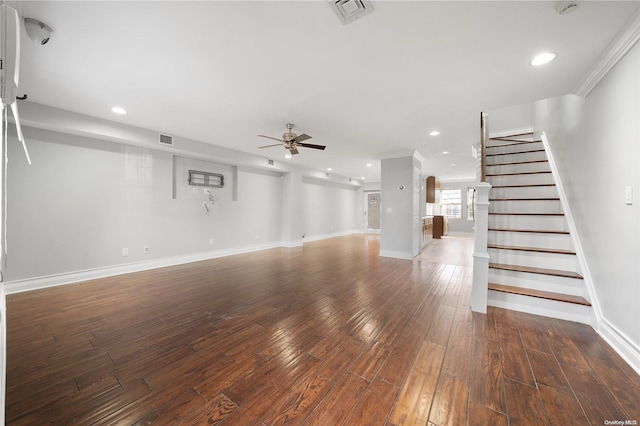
118	110
543	58
445	152
434	133
288	156
329	169
362	178
369	164
452	164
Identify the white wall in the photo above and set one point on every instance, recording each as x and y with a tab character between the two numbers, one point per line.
396	236
84	200
595	142
328	208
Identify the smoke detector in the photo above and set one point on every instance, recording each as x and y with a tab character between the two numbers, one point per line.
350	10
38	32
566	7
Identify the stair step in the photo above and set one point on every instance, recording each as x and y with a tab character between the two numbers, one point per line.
534	249
578	300
542	271
526	214
512	153
528	185
517	162
519	173
533	231
524	199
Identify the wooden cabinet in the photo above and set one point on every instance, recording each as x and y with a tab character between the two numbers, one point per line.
433	189
440	225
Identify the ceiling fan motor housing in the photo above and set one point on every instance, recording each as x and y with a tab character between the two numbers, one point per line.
288	136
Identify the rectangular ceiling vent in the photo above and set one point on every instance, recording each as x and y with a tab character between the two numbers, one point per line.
165	139
270	162
350	10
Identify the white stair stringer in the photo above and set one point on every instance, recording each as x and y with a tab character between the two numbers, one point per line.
544	307
533	263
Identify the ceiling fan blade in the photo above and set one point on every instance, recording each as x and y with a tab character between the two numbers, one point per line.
302	137
269	146
293	150
310	145
269	137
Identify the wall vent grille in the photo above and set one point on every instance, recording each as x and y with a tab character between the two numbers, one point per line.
350	10
165	139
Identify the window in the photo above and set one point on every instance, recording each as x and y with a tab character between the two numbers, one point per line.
471	205
451	204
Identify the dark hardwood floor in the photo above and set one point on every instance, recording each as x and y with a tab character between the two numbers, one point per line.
328	334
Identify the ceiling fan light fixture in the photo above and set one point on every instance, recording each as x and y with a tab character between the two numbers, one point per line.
543	58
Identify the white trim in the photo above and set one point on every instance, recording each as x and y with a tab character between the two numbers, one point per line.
29	284
624	41
19	286
596	312
510	132
406	255
461	234
621	343
3	352
331	235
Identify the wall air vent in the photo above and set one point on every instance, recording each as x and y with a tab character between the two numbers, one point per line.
165	139
350	10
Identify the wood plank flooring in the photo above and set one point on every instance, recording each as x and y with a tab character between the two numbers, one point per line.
327	334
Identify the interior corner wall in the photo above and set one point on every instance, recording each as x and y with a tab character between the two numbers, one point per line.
329	209
595	142
396	236
84	200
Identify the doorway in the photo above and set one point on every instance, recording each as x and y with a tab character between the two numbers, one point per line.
372	210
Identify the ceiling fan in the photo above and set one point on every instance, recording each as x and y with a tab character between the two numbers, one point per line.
291	141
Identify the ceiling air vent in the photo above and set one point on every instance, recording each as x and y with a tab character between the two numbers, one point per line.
350	10
165	139
270	162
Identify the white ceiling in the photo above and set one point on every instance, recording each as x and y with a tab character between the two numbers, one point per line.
223	72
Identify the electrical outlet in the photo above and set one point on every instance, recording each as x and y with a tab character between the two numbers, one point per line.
628	195
195	190
146	249
210	241
125	252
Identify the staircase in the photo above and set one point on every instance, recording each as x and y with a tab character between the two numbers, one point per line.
533	266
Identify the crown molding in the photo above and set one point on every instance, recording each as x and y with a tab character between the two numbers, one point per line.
621	44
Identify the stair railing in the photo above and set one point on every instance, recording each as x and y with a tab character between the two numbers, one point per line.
484	134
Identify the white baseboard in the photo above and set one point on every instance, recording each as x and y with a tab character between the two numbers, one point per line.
331	235
19	286
396	254
620	342
460	234
29	284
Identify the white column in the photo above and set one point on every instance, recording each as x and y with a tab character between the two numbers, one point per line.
480	255
292	224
